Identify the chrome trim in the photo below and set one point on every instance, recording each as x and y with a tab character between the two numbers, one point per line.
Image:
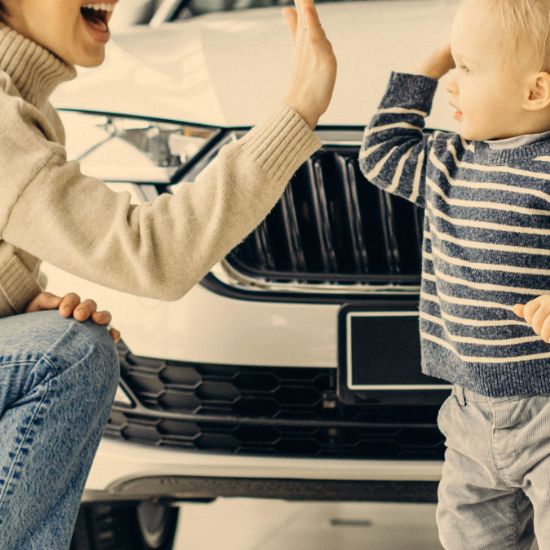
226	274
166	10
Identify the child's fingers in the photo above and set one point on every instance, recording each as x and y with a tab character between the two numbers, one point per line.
538	319
530	310
518	310
545	330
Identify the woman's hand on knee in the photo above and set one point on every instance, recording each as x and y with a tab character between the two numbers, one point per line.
314	63
69	305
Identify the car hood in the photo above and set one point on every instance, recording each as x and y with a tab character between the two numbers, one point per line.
229	69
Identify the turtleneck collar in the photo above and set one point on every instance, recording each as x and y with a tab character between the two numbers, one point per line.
34	70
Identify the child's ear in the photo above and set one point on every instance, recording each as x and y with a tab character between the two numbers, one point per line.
538	92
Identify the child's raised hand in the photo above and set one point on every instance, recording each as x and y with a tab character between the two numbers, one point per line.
537	313
314	64
438	63
70	305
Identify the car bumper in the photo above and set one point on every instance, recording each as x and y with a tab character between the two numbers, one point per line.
129	471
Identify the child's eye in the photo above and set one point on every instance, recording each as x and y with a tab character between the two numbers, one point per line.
464	68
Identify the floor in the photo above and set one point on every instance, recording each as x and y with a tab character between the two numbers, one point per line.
247	524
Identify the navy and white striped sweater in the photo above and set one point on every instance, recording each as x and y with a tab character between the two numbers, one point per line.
486	241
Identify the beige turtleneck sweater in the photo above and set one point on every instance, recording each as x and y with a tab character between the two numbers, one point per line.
50	211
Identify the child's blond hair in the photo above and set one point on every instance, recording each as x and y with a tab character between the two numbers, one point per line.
525	24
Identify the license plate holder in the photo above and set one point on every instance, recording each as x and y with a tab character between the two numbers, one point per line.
379	358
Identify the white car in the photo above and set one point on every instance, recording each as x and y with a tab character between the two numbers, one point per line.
292	370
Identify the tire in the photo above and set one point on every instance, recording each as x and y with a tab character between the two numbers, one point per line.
125	526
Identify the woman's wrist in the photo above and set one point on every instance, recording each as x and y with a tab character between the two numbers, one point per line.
309	117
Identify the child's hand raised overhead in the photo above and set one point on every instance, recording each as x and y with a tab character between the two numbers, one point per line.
437	64
314	65
537	313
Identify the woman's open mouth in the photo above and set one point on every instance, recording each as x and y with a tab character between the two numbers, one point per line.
97	16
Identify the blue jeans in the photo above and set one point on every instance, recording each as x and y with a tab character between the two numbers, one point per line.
58	379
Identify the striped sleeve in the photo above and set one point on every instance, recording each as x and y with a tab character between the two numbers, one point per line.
395	147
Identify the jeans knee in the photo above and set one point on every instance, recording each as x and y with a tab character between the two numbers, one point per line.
99	367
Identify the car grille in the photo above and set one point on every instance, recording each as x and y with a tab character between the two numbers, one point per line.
275	411
332	225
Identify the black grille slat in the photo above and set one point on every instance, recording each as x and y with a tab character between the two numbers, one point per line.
347	168
262	247
316	183
389	231
277	411
292	233
332	225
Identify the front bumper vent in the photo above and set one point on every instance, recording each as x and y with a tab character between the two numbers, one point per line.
273	411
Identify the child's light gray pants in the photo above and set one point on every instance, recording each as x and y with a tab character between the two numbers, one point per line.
495	487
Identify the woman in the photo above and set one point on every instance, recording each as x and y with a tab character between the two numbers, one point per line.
58	375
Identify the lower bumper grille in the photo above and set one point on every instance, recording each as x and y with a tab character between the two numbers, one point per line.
274	411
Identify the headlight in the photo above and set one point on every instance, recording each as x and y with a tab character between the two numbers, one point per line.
118	148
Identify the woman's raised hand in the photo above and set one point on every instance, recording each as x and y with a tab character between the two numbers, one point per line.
314	63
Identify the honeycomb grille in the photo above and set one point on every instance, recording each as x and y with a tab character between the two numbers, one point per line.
275	411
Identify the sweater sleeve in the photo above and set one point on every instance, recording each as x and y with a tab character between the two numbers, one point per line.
18	285
158	249
395	148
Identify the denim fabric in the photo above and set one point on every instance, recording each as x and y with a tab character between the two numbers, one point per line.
494	491
58	379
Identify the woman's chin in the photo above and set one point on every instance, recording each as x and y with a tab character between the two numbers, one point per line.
89	60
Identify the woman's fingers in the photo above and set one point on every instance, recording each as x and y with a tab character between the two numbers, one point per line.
291	21
115	335
314	66
68	303
44	300
101	317
84	310
104	318
312	23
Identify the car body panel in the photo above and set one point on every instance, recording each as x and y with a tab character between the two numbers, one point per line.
227	69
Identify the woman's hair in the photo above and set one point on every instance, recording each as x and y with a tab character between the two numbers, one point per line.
526	28
3	11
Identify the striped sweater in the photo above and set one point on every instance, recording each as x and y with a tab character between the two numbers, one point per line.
486	241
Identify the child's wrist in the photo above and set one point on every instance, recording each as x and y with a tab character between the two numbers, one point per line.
429	71
438	64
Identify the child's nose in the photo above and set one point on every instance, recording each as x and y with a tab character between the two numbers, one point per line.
452	88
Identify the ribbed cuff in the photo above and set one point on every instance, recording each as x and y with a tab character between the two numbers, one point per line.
281	143
17	284
410	91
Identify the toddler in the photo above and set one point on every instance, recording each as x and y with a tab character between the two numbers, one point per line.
485	292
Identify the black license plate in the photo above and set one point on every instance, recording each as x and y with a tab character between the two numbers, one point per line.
379	351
